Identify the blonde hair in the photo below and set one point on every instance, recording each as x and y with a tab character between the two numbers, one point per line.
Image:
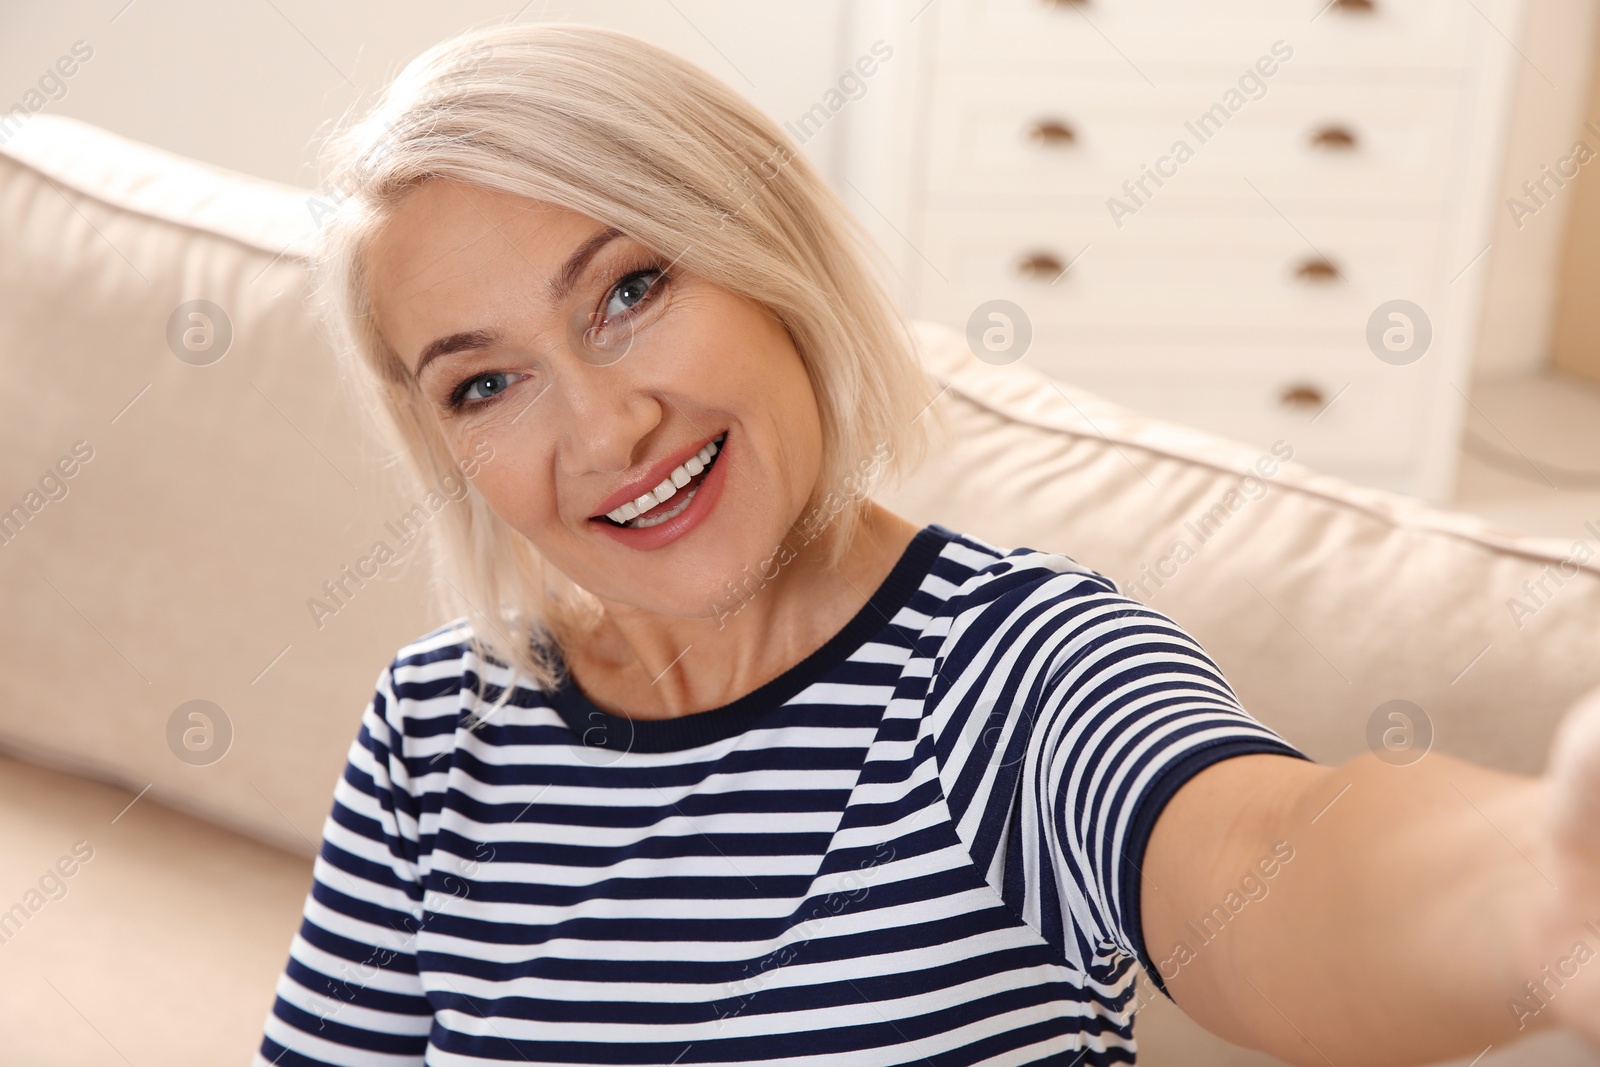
608	125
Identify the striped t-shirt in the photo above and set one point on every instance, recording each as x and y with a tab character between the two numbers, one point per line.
920	843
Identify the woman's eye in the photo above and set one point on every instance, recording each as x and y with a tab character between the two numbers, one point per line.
483	387
630	291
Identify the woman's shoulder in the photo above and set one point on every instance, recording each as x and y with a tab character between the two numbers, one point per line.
445	661
985	576
1001	599
441	648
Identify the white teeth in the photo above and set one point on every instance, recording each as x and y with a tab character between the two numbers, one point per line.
668	488
653	520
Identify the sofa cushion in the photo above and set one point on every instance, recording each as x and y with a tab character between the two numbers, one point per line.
131	933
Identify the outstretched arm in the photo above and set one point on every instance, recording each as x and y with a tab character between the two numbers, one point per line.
1422	912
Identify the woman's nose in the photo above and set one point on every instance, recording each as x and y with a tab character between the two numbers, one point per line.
605	419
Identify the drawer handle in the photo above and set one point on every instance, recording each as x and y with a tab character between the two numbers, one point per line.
1302	396
1355	7
1041	266
1066	3
1334	138
1052	133
1318	271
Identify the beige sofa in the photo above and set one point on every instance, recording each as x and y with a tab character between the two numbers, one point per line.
150	888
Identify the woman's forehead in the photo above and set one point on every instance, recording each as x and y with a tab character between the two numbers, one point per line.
441	218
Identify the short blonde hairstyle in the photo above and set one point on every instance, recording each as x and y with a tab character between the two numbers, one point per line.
608	125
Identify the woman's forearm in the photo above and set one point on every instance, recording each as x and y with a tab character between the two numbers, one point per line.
1405	926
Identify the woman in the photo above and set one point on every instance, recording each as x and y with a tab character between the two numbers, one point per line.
723	762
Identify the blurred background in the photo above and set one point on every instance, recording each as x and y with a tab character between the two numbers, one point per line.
1336	156
1364	229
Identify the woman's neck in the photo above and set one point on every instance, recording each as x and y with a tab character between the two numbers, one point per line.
650	666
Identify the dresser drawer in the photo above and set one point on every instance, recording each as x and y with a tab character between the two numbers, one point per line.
1059	136
1337	407
1139	34
1175	275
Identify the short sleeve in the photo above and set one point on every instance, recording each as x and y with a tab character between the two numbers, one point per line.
1074	714
350	994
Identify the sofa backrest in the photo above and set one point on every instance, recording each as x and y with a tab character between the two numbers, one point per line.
213	500
222	493
1322	601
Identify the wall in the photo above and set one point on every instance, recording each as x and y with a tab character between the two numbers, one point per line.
1576	346
248	86
1557	50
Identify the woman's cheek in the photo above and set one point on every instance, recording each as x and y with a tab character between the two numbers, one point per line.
520	492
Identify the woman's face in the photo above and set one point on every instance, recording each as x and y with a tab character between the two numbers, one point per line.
592	367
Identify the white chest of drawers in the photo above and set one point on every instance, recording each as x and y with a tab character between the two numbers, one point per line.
1199	206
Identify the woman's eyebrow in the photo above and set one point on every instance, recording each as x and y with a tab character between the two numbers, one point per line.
563	280
556	291
456	342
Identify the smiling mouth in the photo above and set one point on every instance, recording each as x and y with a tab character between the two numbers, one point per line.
668	499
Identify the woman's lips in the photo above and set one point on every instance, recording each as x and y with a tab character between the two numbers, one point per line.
652	478
707	494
